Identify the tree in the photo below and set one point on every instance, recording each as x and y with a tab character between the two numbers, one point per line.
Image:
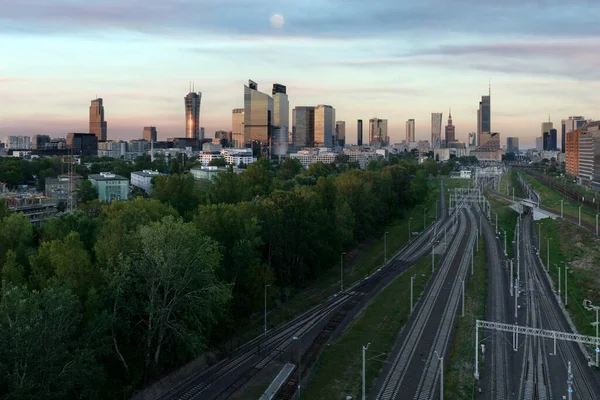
41	354
16	234
86	192
218	162
179	191
173	271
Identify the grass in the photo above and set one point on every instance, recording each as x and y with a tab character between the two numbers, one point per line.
358	263
580	249
459	382
338	369
551	199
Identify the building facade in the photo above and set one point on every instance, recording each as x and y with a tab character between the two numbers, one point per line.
359	132
450	131
281	120
110	186
378	132
512	145
569	125
83	143
192	115
324	126
436	130
17	143
40	142
572	152
143	179
258	115
237	128
150	134
340	133
410	131
112	149
98	126
484	119
303	127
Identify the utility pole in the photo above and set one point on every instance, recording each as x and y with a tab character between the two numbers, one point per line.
424	219
412	279
511	277
558	281
432	257
364	392
548	255
597	224
472	261
580	214
266	286
441	375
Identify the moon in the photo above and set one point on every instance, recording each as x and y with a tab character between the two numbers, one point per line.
277	21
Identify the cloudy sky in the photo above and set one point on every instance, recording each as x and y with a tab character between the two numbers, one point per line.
391	59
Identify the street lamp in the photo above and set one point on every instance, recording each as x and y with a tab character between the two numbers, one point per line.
342	271
548	254
441	375
266	286
424	219
566	285
296	338
364	391
385	247
561	208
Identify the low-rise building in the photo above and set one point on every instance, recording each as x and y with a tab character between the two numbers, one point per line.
110	186
58	188
37	207
143	179
209	172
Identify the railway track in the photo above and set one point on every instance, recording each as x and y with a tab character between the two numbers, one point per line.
226	377
430	327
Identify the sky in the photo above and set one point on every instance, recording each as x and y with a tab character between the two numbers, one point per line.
390	59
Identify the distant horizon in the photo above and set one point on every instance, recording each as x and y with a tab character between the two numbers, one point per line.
356	57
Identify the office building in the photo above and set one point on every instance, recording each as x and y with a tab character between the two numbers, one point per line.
237	128
378	132
572	152
450	131
110	186
192	115
258	115
112	149
324	126
490	149
549	140
569	125
410	131
472	140
359	132
539	143
17	143
98	126
143	179
303	127
512	145
150	134
85	144
484	119
39	142
589	155
436	130
546	126
281	120
340	133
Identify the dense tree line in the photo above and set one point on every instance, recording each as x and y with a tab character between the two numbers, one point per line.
98	304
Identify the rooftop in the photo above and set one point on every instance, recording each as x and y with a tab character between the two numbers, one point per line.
107	176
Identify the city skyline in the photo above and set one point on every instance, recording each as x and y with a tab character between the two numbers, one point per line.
537	68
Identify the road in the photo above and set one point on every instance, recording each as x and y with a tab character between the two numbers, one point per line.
313	329
413	368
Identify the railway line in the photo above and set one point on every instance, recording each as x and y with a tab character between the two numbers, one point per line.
226	377
413	369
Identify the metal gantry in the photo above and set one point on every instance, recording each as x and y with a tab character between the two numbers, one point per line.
525	330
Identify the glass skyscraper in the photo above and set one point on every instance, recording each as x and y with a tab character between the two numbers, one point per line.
192	115
324	125
98	126
303	127
436	130
281	120
258	115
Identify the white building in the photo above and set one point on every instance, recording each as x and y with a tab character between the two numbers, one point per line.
17	143
143	179
209	172
112	148
238	156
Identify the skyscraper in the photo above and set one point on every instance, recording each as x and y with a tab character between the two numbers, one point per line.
450	131
98	125
192	115
546	126
303	126
281	120
340	133
378	133
150	133
324	125
258	115
410	130
484	119
436	130
512	145
237	128
359	132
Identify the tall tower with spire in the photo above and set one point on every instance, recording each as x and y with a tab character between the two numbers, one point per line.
450	130
484	118
192	114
